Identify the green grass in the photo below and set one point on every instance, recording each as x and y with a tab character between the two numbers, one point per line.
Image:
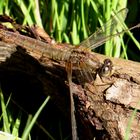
68	21
130	122
9	122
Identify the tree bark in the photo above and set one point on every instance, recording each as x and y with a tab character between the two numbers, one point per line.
104	108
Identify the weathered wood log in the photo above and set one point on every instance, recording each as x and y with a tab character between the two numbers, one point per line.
103	107
114	103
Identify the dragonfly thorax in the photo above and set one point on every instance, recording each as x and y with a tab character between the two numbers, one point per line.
77	56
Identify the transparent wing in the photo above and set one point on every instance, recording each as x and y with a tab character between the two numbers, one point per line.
106	31
85	74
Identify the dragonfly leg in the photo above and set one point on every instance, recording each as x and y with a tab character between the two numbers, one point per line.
72	106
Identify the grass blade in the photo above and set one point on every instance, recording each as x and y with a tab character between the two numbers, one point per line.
27	132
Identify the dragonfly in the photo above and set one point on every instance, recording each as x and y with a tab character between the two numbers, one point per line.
79	56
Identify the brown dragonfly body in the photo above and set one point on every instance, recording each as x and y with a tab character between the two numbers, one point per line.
75	55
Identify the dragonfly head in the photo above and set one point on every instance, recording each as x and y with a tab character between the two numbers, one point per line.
106	69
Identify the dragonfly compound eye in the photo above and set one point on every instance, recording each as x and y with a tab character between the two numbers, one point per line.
108	62
106	69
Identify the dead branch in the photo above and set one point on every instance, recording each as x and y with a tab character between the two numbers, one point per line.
103	108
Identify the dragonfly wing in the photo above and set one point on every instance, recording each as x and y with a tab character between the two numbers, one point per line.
105	32
85	74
